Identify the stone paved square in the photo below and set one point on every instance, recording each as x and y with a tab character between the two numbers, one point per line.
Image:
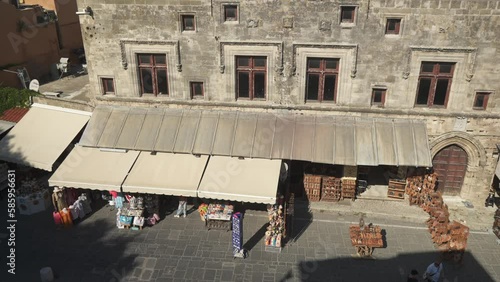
95	250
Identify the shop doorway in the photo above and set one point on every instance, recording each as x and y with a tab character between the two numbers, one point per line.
450	164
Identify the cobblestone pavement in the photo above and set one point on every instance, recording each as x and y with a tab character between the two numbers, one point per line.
181	249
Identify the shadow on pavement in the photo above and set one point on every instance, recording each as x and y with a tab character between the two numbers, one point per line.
92	250
256	238
395	269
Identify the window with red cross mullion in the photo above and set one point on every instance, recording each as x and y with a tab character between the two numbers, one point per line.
153	74
434	84
251	73
322	75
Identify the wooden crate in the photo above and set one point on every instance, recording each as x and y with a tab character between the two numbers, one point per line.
312	178
331	189
312	187
397	194
313	195
396	188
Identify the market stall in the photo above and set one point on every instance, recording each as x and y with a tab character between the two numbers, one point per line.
365	239
131	214
32	196
218	216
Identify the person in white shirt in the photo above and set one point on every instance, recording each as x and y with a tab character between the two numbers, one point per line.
434	271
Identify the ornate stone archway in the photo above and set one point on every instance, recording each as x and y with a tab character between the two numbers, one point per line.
475	151
472	187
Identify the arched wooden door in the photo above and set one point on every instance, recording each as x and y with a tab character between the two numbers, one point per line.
450	164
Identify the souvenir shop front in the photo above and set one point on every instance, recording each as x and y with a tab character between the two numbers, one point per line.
133	179
369	158
33	147
94	170
228	180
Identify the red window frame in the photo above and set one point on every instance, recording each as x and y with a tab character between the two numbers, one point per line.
105	86
382	93
251	69
192	87
431	71
482	98
153	66
322	72
397	26
185	26
226	17
347	14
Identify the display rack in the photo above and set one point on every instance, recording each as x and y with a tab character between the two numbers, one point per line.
312	187
365	239
331	189
396	189
348	187
275	232
219	217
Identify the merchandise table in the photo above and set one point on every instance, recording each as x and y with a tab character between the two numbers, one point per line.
219	217
366	239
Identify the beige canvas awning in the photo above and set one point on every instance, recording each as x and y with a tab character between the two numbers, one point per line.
248	180
42	135
165	173
326	139
91	168
5	125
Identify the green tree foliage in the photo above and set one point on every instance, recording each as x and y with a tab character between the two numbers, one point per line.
12	98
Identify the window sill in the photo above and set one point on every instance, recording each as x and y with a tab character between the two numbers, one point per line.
391	35
479	109
233	22
312	102
430	107
251	100
347	25
152	96
188	31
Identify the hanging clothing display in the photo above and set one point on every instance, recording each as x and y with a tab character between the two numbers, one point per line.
58	199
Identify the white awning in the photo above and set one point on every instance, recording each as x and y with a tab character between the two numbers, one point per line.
165	173
91	168
5	125
42	135
247	180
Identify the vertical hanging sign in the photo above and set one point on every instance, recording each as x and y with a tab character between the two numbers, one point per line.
237	233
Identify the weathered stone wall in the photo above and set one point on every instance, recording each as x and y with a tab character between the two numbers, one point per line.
465	32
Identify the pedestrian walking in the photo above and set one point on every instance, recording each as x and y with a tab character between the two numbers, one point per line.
413	277
434	271
182	207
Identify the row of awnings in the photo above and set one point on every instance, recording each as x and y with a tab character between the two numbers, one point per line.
223	178
322	139
228	155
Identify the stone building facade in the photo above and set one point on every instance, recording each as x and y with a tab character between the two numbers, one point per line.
436	61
